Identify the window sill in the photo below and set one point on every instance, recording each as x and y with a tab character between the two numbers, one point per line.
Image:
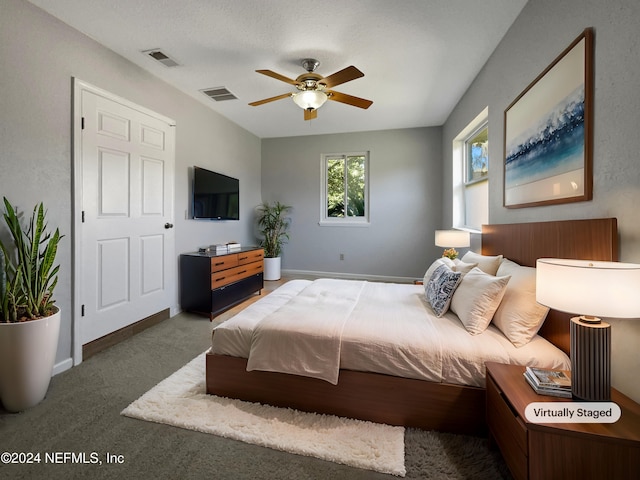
476	181
343	223
471	230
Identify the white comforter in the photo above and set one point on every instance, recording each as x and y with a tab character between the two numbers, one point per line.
306	331
388	329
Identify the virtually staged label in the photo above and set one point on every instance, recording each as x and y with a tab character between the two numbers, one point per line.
572	412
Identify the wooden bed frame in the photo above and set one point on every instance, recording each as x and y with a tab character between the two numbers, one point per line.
418	403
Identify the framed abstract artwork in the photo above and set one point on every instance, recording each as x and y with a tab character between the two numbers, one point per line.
548	133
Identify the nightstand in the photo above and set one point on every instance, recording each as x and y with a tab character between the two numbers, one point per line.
564	451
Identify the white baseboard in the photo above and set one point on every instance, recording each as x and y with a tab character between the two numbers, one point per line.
347	276
62	366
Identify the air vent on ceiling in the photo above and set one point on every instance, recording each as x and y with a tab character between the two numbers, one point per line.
161	57
219	94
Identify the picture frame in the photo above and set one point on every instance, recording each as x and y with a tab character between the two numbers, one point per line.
548	133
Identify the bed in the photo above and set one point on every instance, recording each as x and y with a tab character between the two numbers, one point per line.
425	394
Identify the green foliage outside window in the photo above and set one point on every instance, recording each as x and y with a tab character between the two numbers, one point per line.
346	176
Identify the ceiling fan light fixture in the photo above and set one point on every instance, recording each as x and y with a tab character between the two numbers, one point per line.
313	88
310	99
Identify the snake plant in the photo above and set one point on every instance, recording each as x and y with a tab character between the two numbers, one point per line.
28	275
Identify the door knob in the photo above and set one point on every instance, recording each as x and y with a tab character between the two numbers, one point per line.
168	225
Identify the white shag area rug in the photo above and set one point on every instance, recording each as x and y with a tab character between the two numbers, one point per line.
180	400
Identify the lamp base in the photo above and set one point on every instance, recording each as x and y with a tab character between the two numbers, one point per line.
590	359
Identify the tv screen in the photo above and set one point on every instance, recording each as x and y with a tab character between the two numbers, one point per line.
215	196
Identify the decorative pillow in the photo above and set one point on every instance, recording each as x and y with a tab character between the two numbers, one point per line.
487	263
519	316
477	298
440	288
440	261
455	265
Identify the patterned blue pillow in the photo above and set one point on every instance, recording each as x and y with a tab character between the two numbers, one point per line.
440	288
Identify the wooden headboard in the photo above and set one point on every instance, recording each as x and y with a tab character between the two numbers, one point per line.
524	243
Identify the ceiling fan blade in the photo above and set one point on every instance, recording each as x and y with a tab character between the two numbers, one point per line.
271	99
343	76
310	114
277	76
349	99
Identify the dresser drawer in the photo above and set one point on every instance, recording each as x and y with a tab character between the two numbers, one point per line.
508	430
223	262
211	283
225	277
224	297
250	257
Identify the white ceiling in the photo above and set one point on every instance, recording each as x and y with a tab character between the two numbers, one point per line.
418	56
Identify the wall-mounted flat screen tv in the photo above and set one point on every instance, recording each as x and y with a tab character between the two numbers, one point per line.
215	196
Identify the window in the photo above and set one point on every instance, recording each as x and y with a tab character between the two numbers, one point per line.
471	174
345	197
476	149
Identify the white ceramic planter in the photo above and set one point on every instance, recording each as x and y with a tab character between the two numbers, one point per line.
272	268
27	355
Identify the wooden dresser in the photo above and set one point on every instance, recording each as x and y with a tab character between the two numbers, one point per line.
211	283
580	451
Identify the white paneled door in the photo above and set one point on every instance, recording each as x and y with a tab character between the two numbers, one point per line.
125	242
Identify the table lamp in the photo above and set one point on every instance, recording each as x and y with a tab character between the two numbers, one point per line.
594	289
449	239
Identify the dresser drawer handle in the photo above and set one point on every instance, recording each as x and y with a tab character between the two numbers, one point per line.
220	279
242	258
218	264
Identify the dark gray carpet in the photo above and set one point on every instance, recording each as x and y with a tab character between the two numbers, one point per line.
81	415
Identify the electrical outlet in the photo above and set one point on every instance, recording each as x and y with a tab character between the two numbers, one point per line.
342	256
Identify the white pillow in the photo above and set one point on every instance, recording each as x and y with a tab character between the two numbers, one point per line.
487	263
455	265
477	298
519	316
462	267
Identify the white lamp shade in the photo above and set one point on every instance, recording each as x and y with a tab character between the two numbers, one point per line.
452	238
310	99
601	289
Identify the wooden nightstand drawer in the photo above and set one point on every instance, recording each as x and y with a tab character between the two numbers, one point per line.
508	430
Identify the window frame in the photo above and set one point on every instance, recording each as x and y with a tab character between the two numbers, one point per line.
346	221
473	194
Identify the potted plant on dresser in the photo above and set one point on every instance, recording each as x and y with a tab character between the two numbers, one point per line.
273	223
29	319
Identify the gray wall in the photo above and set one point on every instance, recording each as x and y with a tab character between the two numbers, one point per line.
541	32
405	192
39	56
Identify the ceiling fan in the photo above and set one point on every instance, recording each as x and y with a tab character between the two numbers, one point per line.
313	89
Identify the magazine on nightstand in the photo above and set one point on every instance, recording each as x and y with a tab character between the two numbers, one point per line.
549	382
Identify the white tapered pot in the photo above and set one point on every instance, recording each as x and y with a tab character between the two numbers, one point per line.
272	268
27	355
